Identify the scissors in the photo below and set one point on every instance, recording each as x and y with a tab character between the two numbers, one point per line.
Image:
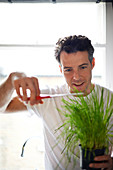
46	96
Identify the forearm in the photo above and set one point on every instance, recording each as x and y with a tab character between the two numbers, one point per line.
7	89
15	106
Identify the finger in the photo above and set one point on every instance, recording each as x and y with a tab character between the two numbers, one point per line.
31	85
101	158
99	165
21	84
24	91
36	84
17	88
16	75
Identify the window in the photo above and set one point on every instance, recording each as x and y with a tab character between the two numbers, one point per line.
28	33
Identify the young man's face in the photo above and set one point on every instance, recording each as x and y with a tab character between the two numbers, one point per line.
77	70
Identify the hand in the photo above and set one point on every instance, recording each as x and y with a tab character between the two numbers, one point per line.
107	162
30	83
15	75
7	88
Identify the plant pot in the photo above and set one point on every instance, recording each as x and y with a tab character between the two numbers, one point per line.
87	157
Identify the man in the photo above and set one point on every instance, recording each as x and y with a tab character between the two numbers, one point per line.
75	56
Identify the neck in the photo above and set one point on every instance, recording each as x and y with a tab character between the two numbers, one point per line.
89	90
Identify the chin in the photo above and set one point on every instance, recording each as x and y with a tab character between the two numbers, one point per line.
79	89
73	90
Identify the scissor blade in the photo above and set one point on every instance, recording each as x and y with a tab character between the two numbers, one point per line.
67	94
46	96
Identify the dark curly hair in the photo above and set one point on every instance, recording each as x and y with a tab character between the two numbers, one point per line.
73	44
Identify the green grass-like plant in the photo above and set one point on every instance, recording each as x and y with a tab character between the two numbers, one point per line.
87	122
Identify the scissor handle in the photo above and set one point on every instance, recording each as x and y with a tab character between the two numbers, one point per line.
40	97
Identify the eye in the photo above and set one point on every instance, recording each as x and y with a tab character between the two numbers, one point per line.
83	67
68	70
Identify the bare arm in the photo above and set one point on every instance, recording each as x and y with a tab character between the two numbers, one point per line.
15	81
7	88
15	105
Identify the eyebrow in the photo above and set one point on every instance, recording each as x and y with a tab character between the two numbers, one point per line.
84	64
67	67
79	65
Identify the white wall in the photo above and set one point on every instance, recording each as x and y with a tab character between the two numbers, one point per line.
109	45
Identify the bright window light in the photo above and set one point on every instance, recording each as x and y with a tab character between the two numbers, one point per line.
28	34
44	23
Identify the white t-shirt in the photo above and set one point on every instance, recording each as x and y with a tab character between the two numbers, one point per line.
52	119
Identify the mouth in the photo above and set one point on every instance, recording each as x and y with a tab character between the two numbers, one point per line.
77	84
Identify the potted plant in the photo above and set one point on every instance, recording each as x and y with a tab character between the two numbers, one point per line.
87	125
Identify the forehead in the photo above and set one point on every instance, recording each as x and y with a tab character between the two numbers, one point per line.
76	58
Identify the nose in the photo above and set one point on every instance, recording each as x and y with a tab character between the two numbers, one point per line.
76	75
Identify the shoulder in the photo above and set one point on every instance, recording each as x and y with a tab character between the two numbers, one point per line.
105	89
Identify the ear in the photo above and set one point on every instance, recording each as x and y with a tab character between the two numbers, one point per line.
60	68
93	62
